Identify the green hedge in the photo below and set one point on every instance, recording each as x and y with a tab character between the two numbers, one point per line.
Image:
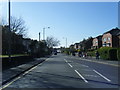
108	53
118	53
67	51
113	54
91	53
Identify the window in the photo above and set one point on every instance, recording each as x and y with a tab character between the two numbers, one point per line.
104	39
108	38
96	41
108	44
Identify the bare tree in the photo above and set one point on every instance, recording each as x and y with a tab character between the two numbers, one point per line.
51	42
18	26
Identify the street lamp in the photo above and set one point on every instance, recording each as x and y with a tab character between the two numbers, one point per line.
44	32
9	47
65	41
39	36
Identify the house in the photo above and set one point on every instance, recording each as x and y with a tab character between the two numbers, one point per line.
97	42
71	46
118	39
110	38
76	46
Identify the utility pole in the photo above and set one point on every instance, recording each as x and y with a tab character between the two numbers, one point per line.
9	50
39	36
43	33
66	42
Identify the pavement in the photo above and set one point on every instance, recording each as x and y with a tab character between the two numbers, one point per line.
102	61
11	73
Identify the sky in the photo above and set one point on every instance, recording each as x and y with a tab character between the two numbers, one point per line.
72	20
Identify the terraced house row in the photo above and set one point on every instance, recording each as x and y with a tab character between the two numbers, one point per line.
110	38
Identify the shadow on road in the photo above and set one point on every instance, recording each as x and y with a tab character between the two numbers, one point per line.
48	76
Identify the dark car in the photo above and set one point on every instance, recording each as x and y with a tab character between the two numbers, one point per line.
55	53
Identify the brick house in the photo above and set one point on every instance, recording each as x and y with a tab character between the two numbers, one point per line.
110	38
71	46
97	42
118	39
76	46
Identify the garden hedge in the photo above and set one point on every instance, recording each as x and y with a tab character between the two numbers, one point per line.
108	53
91	53
113	54
118	53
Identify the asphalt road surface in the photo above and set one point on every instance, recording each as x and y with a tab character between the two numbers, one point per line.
61	71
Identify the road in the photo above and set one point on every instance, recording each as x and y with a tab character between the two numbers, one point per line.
61	71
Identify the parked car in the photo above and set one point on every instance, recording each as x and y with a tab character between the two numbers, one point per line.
55	53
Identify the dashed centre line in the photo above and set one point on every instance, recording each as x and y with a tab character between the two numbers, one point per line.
77	71
81	76
65	60
70	65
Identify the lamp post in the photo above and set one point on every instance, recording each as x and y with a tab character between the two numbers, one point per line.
9	47
44	32
39	36
65	41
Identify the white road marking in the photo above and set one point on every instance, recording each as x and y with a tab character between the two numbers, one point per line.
3	87
91	75
102	76
65	60
85	65
81	76
70	65
88	70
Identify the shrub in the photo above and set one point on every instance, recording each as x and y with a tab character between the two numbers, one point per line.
104	52
91	53
67	51
108	53
113	54
118	53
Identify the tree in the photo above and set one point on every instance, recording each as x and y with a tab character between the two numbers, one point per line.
18	26
5	39
16	42
86	44
51	42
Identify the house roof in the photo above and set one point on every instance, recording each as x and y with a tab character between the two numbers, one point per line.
99	37
76	43
71	45
115	31
118	34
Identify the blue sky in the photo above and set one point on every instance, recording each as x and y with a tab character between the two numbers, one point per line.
71	20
